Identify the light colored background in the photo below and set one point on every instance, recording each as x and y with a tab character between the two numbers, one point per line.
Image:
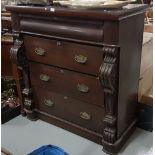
21	136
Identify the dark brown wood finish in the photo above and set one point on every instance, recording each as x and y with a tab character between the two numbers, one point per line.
109	81
82	114
76	56
57	27
129	70
107	44
80	86
94	14
18	57
89	134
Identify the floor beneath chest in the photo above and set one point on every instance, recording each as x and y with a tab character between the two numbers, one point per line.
21	136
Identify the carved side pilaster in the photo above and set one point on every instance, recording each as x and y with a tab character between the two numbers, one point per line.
18	57
109	80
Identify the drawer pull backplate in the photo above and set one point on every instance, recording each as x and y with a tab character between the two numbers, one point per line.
82	88
44	77
85	115
81	59
39	51
48	103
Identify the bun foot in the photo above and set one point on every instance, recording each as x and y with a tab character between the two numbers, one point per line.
31	115
23	113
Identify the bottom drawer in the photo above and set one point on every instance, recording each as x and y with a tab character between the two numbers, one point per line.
80	113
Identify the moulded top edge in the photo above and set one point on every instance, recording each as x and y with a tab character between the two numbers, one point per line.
94	14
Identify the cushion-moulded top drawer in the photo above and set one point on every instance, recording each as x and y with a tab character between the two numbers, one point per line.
79	30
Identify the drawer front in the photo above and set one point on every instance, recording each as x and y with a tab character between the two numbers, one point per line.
80	113
82	58
80	86
85	30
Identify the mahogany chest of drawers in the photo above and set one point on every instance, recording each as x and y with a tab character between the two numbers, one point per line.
80	68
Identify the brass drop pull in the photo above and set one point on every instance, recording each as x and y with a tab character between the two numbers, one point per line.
44	77
39	51
85	115
48	103
82	88
81	59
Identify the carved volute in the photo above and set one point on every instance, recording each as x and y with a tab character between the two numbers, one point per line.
109	80
18	57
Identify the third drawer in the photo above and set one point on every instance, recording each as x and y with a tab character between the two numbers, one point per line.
70	109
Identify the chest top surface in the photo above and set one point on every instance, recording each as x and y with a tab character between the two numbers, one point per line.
98	14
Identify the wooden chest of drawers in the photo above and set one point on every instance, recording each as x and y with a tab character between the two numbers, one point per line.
80	68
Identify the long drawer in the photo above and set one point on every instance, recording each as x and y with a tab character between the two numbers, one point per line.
82	58
79	86
66	28
83	114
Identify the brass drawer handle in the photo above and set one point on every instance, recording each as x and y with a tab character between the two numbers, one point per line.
39	51
81	59
44	77
48	103
85	115
82	88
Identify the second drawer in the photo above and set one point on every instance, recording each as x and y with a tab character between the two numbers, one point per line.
79	86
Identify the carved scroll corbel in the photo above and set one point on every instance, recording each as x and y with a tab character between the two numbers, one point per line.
109	80
18	57
16	50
